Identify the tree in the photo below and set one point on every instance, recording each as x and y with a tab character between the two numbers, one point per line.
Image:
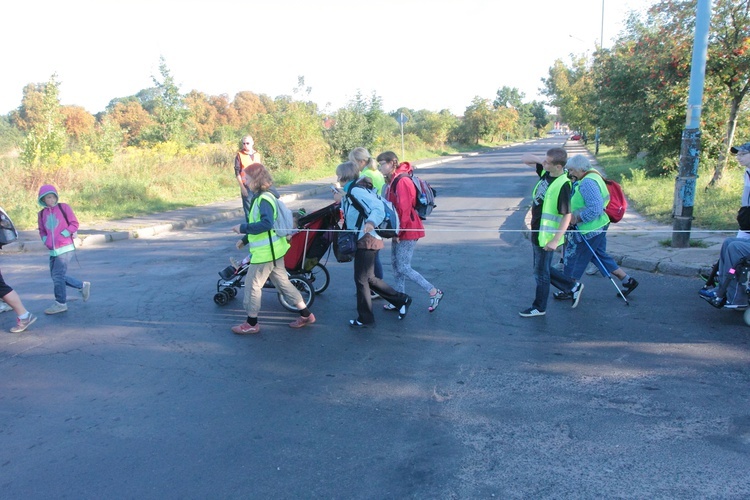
131	118
729	64
540	115
571	91
170	112
434	128
203	116
45	138
508	97
291	135
247	106
361	123
78	122
478	121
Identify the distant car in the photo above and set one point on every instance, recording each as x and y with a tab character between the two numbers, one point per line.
575	137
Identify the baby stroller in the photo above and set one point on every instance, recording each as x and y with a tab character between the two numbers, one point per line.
736	289
231	280
311	244
302	262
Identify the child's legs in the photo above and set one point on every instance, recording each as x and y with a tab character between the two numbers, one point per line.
404	251
399	279
58	268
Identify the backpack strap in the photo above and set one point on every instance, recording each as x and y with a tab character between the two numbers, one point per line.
356	204
394	183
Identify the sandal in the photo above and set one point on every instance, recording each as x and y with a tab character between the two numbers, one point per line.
389	307
435	300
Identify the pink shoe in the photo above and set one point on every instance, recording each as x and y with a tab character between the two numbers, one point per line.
302	321
246	329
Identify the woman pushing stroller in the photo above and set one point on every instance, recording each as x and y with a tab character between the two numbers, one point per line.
267	251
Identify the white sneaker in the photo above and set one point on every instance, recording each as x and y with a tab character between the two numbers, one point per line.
4	307
86	290
56	308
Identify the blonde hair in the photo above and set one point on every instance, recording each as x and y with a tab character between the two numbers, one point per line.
357	155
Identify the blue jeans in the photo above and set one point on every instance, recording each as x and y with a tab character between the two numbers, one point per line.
58	268
545	275
578	254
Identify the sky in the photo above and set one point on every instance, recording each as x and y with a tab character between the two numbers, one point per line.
419	54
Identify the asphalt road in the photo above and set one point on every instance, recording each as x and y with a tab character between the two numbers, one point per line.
143	392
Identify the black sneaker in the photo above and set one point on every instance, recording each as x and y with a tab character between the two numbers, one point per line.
531	312
563	295
404	308
629	285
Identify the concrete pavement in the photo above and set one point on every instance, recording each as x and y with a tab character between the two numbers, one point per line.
635	242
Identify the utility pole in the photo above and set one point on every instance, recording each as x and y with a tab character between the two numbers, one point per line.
601	46
685	183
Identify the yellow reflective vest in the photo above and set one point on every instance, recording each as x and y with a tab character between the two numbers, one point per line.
577	203
266	246
551	218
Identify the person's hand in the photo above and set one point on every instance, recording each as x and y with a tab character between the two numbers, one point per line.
236	229
239	244
550	247
337	197
369	227
244	190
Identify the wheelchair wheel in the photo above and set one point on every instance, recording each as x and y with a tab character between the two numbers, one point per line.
320	277
304	287
221	298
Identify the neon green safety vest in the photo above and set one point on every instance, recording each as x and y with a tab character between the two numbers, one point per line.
577	203
259	245
551	218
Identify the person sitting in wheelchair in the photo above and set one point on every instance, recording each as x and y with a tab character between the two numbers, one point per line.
734	262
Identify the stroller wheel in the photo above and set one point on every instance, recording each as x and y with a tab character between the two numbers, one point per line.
231	292
747	316
319	277
221	298
304	287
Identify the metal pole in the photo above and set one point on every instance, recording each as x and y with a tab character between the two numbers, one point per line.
402	137
601	45
684	189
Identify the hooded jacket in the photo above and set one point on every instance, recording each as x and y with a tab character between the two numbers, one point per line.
403	195
56	224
